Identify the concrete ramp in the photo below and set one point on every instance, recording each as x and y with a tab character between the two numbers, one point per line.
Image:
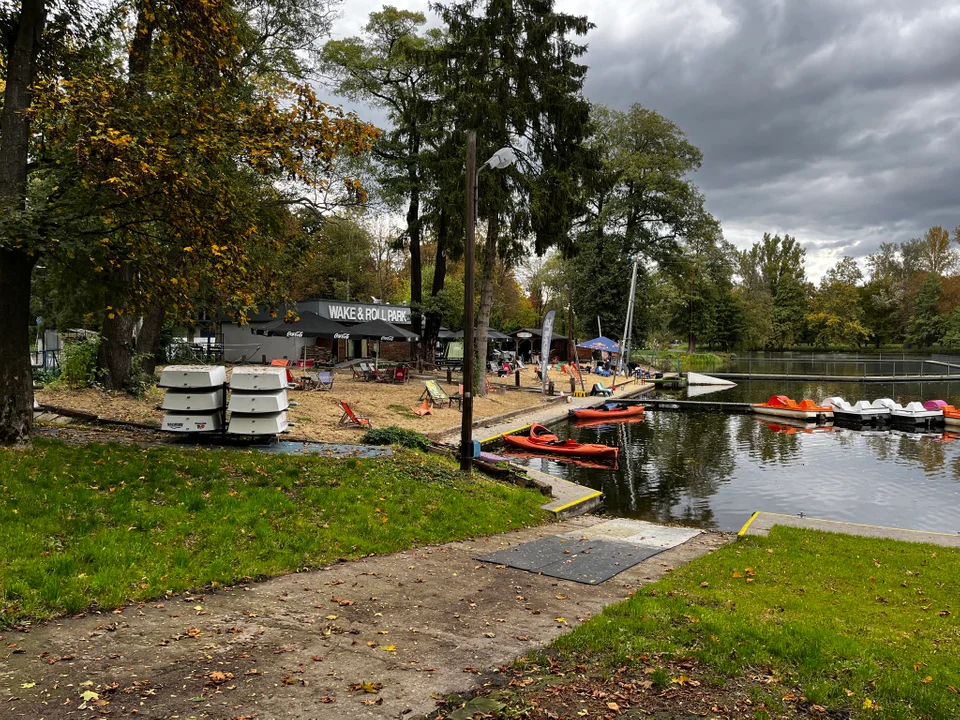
761	522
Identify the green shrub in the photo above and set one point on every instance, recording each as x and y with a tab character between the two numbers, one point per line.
394	435
79	364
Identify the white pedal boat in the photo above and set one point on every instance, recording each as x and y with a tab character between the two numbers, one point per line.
861	411
193	376
914	412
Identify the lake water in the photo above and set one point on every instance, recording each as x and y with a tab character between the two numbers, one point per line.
712	469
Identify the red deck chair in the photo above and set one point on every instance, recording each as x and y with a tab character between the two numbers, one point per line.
284	363
400	375
350	418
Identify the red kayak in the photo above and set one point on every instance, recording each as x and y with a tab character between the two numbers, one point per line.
542	440
610	411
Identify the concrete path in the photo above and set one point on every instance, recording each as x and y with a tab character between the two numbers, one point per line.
760	523
413	626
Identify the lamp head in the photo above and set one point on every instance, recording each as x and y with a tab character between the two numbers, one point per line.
504	157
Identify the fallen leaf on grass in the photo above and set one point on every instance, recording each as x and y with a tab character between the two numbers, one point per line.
389	648
867	704
341	602
27	686
613	706
326	699
561	620
371	701
927	680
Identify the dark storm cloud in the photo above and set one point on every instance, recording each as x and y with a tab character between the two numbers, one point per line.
834	120
837	121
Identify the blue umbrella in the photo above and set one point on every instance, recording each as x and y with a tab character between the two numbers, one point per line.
601	343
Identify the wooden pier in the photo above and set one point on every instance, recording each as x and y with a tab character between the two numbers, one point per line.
839	378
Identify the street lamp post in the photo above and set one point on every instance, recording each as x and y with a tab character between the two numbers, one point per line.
504	157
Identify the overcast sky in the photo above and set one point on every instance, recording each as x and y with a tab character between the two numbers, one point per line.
837	121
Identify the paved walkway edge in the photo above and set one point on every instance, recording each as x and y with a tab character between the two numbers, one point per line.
760	524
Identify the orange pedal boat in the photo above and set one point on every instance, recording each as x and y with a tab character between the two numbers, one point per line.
782	406
610	411
541	440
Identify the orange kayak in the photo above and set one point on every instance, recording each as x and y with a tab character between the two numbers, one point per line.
610	411
541	440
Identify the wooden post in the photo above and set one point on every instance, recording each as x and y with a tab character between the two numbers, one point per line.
466	420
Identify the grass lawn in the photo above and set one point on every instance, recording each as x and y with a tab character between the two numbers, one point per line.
97	525
799	624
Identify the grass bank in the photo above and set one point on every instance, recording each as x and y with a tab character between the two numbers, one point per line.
798	624
97	525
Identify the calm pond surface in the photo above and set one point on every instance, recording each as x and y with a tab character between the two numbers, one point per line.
712	469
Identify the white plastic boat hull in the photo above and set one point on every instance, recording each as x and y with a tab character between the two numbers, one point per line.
259	378
861	415
701	379
795	414
192	422
242	401
182	400
193	376
266	424
920	416
951	422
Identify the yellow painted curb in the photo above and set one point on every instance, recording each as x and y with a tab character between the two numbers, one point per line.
743	530
584	499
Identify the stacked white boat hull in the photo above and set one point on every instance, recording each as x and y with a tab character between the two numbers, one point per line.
258	401
193	401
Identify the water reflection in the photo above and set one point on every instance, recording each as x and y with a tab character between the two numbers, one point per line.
712	470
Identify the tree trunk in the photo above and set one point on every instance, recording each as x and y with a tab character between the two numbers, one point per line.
115	356
486	299
148	340
16	265
432	331
414	231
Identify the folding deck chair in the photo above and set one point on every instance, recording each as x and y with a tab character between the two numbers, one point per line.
458	398
352	419
400	375
325	380
435	394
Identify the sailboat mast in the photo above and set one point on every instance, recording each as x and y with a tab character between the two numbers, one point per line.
628	325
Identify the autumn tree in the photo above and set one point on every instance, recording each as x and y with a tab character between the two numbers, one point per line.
836	316
168	171
926	325
774	284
